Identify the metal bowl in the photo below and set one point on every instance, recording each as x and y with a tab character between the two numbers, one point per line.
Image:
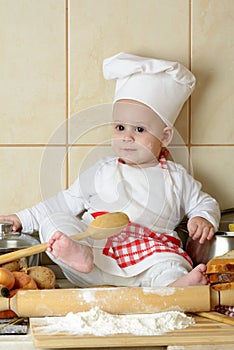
12	243
227	218
219	245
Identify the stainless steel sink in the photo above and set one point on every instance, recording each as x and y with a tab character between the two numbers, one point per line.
12	243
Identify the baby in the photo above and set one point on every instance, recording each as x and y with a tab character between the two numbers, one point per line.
153	192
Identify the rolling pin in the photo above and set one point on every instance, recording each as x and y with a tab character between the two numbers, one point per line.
115	300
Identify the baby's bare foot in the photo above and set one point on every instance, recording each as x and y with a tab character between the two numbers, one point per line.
72	253
196	277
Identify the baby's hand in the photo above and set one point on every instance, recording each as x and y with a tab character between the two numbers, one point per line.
200	228
16	223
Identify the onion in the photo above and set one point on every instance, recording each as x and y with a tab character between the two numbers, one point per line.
7	278
23	281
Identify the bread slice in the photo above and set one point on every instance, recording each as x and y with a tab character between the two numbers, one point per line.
221	264
221	277
223	286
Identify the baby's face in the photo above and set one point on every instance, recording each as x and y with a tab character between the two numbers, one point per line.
137	132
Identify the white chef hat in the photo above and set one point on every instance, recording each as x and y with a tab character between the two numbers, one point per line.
164	86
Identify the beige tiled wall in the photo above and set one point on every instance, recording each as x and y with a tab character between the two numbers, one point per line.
51	71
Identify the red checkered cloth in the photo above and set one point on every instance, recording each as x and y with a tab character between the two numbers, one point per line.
225	310
163	158
135	243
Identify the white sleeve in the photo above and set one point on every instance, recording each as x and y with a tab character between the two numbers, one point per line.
64	201
71	201
196	202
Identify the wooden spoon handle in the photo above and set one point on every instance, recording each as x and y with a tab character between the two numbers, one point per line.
22	253
35	249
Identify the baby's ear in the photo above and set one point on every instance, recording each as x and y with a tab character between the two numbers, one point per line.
167	136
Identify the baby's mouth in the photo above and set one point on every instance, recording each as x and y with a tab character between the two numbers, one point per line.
126	149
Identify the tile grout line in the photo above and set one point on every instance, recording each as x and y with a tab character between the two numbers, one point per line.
190	99
35	145
67	55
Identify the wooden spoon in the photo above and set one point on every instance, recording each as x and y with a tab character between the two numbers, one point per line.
102	227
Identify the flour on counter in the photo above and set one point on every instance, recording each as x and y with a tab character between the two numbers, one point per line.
160	291
101	323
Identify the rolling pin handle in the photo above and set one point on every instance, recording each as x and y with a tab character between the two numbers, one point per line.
4	303
226	297
214	298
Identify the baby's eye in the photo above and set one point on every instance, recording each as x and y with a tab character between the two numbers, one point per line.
140	129
119	127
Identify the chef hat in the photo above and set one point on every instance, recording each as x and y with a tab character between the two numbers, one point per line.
164	86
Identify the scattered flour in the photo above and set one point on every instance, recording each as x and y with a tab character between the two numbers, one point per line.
160	291
101	323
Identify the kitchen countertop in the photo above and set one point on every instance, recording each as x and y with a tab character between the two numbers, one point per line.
26	342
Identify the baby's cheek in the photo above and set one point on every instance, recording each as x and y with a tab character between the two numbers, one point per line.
149	146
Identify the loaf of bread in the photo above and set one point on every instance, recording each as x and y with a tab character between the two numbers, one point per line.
43	276
220	271
221	277
221	264
223	286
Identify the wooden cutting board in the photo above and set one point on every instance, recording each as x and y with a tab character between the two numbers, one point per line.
204	332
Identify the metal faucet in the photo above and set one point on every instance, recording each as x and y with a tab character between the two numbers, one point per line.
6	229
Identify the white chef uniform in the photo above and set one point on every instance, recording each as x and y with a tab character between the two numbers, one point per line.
143	195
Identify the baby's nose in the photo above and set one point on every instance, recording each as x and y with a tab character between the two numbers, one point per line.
128	136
